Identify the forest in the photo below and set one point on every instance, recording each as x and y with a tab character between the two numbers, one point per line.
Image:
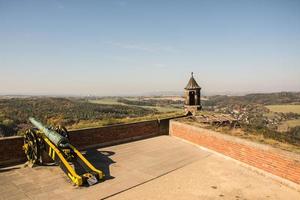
14	112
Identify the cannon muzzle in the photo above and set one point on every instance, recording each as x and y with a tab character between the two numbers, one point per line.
53	136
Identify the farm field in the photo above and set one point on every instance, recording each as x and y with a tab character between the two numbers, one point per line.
107	101
284	126
114	101
284	108
173	98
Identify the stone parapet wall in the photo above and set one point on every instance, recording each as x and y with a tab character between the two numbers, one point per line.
275	161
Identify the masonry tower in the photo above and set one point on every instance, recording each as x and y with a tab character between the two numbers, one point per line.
192	96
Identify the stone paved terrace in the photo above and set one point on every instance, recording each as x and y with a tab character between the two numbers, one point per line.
162	167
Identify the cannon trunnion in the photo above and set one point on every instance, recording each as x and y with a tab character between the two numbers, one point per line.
55	142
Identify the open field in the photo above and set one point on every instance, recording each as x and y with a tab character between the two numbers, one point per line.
284	108
107	101
114	101
173	98
284	126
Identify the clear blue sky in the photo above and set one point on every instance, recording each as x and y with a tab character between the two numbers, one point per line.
113	47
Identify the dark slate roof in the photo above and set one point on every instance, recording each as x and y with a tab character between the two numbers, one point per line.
192	84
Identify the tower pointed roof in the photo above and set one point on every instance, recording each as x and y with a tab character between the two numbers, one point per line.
192	84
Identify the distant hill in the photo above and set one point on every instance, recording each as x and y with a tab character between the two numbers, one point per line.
258	98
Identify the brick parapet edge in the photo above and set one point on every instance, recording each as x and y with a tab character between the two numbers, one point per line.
272	160
11	151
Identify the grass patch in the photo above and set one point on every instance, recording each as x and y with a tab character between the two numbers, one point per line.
284	108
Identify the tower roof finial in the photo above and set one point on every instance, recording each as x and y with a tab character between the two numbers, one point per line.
192	84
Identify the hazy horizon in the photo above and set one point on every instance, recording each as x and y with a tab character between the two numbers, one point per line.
149	94
118	48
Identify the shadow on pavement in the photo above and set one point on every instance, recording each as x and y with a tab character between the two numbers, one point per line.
101	160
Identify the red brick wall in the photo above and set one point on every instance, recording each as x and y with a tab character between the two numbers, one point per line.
275	161
11	151
113	134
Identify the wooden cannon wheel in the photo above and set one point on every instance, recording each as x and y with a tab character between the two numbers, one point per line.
32	147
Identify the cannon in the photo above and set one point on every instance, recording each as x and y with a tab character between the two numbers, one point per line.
55	142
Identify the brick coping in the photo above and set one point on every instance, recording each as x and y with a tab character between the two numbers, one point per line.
236	139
